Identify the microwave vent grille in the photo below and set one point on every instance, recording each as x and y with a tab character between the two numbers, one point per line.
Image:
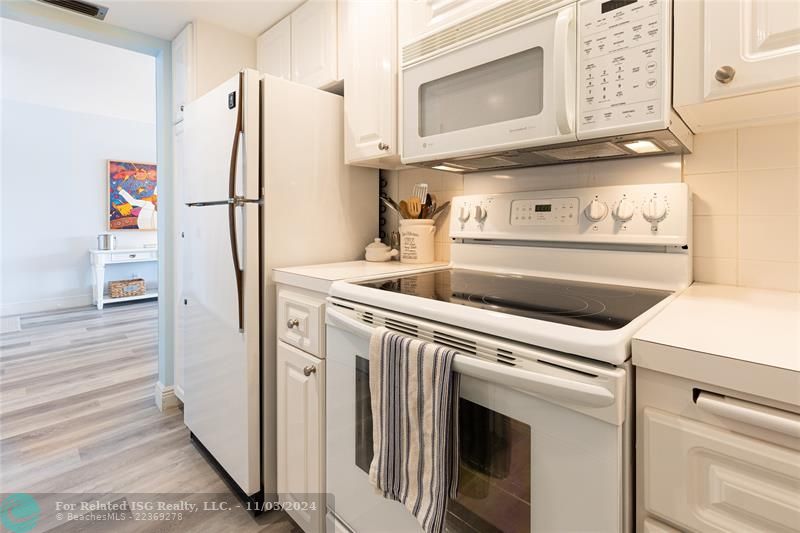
506	15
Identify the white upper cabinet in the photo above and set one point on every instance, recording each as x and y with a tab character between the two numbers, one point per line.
182	73
274	50
737	62
370	74
314	37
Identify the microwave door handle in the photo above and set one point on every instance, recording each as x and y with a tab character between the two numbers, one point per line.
575	392
564	55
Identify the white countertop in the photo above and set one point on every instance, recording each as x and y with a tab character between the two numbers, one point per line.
320	277
750	325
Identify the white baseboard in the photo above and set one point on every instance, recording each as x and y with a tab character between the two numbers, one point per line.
165	397
49	304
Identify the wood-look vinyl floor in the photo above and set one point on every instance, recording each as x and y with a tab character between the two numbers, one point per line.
77	416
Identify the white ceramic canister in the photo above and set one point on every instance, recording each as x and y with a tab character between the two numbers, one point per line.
416	240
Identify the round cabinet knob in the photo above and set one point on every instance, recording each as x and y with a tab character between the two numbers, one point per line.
308	370
654	210
292	323
596	210
624	210
463	214
383	146
479	213
725	74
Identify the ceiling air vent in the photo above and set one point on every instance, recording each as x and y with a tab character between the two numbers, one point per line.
83	8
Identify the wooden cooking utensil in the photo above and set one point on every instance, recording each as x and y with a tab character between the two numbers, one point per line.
404	209
414	207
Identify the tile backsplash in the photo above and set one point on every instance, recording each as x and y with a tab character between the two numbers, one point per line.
746	199
444	185
746	189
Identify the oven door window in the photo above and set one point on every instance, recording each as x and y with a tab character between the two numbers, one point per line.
508	88
494	490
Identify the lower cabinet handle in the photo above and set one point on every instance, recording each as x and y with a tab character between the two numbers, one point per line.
748	413
309	370
292	323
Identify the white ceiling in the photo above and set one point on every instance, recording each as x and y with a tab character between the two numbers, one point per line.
166	19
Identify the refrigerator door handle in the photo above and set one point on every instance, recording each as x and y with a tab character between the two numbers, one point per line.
209	204
237	267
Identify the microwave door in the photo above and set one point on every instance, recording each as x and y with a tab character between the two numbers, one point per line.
514	89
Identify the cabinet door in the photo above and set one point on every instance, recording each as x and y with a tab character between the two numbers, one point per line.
314	42
301	435
370	74
182	72
705	478
750	46
274	50
178	315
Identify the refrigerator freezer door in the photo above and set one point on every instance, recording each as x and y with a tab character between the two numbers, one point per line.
211	135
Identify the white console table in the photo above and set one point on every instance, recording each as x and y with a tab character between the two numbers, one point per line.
101	258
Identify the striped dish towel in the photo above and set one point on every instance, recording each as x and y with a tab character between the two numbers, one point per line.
414	424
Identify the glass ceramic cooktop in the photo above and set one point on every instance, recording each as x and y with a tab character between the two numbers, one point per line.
586	305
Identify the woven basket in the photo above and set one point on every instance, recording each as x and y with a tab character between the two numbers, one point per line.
126	287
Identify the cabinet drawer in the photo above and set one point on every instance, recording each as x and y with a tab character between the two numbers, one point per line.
134	256
301	321
706	478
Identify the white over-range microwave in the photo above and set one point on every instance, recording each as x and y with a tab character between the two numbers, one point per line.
539	82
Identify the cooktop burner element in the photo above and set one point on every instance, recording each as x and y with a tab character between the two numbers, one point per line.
587	305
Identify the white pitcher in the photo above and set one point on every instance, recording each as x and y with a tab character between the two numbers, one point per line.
416	240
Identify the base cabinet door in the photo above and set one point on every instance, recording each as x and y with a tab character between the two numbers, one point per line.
301	436
706	478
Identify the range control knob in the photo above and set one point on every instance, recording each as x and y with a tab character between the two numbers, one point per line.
624	210
596	210
479	214
463	214
654	211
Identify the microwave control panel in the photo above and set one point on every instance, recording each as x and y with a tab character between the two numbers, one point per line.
623	66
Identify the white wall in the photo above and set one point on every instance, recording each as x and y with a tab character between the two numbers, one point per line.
68	105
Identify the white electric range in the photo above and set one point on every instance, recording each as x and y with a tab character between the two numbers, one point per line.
544	294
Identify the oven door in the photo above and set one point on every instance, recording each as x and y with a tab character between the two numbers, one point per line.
526	464
512	89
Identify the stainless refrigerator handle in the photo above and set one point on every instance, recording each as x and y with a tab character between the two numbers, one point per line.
237	268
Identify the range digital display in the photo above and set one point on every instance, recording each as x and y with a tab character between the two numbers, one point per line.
611	5
543	208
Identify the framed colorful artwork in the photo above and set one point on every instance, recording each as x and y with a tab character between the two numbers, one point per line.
132	196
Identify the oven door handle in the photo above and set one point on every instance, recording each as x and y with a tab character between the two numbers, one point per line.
557	388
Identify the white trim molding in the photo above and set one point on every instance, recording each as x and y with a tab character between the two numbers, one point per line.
165	397
49	304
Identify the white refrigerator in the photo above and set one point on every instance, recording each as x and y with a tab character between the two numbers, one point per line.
265	186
